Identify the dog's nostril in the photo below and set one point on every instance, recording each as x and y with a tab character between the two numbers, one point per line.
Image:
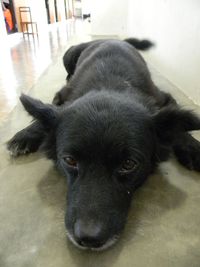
90	243
88	234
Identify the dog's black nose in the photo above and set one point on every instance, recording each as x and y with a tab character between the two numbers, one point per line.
88	234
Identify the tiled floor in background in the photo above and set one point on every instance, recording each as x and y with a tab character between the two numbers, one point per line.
163	228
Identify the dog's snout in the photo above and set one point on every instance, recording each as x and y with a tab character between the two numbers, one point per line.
88	234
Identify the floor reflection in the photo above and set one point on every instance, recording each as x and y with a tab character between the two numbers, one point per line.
22	61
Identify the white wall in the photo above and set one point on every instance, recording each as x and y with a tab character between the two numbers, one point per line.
174	25
109	17
175	28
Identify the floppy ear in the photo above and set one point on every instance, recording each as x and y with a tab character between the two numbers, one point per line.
171	121
45	113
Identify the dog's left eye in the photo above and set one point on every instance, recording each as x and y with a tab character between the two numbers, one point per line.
71	161
128	165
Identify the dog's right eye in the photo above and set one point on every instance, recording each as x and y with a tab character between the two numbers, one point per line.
128	166
71	161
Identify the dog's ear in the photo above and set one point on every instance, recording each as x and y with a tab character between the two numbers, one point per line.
171	121
45	113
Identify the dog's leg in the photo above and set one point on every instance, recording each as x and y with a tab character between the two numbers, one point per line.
27	140
186	148
62	96
187	151
71	57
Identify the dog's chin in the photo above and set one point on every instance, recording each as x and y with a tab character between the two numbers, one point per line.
105	246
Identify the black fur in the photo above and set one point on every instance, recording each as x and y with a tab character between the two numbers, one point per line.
139	44
114	126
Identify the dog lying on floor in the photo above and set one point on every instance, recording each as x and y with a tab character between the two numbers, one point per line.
107	130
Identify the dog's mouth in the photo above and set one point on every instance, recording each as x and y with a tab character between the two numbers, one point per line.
110	242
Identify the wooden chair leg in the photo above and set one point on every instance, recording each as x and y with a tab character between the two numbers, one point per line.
36	29
22	28
27	29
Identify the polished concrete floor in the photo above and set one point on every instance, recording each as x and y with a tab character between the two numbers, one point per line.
163	228
22	62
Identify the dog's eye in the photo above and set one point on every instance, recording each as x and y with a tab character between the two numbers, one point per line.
128	165
71	161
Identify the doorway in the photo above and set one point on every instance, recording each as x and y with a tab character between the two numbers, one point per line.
56	10
48	11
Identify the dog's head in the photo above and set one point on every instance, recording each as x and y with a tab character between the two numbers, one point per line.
106	145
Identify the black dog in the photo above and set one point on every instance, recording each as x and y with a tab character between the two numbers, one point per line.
113	127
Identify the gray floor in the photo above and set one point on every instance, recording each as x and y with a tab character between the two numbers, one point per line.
163	227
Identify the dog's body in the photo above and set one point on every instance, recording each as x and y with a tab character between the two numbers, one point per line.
112	128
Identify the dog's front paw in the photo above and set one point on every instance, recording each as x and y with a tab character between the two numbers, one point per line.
188	153
18	145
23	143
